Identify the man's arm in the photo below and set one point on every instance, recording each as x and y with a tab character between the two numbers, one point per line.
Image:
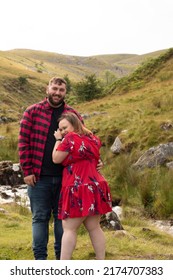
24	144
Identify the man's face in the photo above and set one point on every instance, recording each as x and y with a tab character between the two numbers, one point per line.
56	94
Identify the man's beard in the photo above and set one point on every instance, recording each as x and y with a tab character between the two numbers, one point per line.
55	103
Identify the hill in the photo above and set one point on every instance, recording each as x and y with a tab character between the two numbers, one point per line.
24	73
144	96
135	103
74	66
137	108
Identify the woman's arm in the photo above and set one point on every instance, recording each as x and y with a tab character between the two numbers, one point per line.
58	156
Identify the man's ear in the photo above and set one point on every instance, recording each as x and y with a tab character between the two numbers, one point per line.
47	89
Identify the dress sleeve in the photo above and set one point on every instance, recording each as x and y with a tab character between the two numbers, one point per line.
67	144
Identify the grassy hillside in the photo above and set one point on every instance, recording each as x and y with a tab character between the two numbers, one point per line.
24	73
75	66
52	64
134	109
136	105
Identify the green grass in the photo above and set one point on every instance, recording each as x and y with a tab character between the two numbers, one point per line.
134	110
136	117
142	240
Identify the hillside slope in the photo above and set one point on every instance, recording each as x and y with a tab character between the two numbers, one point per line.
52	63
24	73
137	107
75	66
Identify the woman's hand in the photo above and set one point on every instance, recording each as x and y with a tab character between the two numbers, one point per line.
58	134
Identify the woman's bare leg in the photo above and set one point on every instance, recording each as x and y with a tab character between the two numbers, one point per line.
92	224
69	238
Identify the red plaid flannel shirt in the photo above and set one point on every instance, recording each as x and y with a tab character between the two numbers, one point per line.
34	128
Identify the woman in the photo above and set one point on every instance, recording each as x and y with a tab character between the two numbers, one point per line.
85	194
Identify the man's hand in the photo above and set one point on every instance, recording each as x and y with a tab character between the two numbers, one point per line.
30	180
99	165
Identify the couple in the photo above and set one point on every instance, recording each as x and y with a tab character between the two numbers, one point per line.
85	194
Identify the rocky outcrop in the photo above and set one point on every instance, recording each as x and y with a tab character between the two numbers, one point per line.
112	219
12	187
159	155
10	173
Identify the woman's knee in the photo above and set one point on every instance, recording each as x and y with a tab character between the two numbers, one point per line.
72	223
92	223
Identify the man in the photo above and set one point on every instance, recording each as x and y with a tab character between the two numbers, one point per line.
43	177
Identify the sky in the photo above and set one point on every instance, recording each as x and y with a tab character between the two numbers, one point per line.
87	27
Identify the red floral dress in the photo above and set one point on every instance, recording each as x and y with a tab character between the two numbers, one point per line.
85	191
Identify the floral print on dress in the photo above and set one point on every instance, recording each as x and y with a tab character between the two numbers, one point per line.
84	190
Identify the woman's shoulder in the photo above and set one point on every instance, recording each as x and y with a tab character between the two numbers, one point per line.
71	135
75	135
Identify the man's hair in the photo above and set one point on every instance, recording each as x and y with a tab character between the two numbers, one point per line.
57	80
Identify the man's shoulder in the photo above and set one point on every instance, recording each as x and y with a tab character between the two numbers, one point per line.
37	106
68	108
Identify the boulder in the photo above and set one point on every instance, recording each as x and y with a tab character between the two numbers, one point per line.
116	146
111	220
10	173
159	155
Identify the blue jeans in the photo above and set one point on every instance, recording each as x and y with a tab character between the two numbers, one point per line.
44	197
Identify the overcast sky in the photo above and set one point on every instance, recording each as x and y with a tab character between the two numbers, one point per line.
87	27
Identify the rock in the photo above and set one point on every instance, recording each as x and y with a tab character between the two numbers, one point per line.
10	173
122	234
119	212
13	194
166	125
116	146
111	221
2	210
155	156
12	188
164	225
146	229
170	164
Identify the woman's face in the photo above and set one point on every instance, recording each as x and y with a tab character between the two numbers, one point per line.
65	127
